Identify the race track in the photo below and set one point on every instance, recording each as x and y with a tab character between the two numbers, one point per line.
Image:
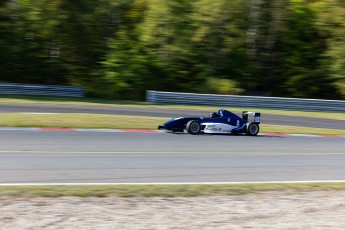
104	157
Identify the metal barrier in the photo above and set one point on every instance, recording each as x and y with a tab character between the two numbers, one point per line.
46	90
158	97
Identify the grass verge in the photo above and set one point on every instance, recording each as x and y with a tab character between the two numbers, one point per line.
103	121
140	104
160	190
69	120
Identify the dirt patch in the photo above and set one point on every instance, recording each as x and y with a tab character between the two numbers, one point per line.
268	210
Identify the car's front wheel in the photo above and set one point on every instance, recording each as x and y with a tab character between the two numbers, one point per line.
193	127
252	129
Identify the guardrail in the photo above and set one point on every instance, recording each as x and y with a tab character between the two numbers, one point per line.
159	97
45	90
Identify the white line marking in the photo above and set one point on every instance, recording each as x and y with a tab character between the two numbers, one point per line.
172	183
38	113
167	152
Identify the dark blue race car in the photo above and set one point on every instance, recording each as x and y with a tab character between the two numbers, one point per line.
221	122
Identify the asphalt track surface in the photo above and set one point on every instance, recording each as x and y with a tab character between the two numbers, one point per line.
100	157
169	113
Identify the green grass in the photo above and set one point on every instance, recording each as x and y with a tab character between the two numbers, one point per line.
159	190
103	121
69	120
26	99
140	104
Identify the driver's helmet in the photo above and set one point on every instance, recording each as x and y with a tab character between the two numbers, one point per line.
213	115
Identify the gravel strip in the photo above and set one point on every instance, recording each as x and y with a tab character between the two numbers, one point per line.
267	210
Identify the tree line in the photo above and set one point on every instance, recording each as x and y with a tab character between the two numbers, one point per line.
120	48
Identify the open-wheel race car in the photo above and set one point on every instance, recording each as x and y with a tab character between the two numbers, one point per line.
221	122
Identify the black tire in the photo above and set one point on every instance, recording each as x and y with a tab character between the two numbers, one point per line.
193	127
252	129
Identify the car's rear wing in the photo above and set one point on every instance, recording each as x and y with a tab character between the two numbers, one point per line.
257	116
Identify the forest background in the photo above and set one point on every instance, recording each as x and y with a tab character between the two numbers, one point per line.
121	48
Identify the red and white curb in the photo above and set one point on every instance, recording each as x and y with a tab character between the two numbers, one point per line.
152	131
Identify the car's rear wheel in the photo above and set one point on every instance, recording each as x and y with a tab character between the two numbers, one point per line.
252	129
193	127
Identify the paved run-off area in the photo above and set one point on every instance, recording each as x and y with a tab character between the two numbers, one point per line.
266	210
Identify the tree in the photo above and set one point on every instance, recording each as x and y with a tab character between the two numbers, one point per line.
331	22
125	68
219	38
166	33
6	35
80	35
266	23
303	49
121	48
28	30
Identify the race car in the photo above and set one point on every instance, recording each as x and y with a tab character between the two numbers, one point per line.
221	122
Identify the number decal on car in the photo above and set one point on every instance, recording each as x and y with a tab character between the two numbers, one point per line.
257	119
